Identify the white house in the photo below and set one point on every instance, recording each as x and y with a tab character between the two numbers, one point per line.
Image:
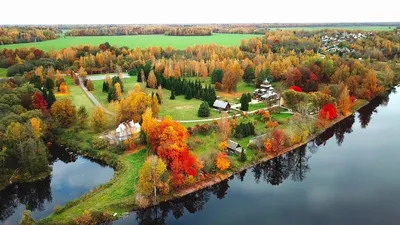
126	129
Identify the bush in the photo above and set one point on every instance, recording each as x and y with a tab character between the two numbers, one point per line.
58	209
99	143
204	110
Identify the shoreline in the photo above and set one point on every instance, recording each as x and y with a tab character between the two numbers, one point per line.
217	178
119	168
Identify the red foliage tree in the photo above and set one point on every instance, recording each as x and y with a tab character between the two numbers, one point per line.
296	88
328	112
38	101
278	140
168	140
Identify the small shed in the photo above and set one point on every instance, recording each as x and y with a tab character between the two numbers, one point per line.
126	129
222	105
234	148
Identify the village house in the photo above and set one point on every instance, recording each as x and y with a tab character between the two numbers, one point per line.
126	129
234	148
221	105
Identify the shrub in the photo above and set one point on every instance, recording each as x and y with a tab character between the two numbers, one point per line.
99	143
328	112
58	209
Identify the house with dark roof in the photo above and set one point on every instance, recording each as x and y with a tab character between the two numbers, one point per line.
234	148
221	105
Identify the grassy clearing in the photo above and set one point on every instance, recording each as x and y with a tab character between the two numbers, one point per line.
3	72
257	106
77	96
179	109
141	41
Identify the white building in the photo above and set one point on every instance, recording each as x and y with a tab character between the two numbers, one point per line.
126	129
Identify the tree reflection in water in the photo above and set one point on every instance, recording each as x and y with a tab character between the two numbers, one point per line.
33	195
293	164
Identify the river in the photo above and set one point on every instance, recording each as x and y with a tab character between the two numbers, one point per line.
72	176
347	176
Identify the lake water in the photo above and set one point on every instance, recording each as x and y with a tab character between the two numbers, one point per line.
349	175
72	176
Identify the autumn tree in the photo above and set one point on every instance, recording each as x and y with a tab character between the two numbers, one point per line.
38	101
278	140
82	72
232	77
344	102
63	88
36	128
328	112
224	127
223	146
222	162
64	112
160	93
153	177
98	120
148	122
155	107
90	85
169	140
118	92
82	117
152	80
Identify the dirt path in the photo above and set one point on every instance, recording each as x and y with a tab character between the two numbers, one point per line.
93	99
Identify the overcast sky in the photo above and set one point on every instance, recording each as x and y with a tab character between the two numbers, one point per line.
204	11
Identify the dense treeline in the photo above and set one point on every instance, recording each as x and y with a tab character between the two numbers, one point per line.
24	121
279	56
188	31
13	35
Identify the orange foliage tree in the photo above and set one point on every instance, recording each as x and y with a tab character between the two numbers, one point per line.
222	161
63	88
168	139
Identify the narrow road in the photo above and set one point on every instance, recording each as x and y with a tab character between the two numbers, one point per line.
93	99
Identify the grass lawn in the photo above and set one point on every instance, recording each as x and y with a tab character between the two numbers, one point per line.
141	41
77	96
179	109
257	106
203	144
3	72
116	196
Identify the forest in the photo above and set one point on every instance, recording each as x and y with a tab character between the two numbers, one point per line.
15	35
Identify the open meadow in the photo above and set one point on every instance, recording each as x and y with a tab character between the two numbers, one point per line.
141	41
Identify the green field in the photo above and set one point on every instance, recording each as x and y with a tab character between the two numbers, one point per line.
364	28
179	109
77	96
3	72
142	41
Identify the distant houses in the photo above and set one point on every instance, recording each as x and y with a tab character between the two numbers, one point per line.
221	105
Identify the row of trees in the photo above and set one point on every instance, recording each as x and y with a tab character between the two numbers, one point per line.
14	35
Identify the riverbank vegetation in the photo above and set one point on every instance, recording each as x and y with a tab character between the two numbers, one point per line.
165	159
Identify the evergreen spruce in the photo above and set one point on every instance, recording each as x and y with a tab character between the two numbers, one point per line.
243	157
244	103
204	110
172	97
112	94
50	98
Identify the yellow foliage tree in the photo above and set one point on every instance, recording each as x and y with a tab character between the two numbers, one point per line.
36	129
64	112
148	121
118	91
151	177
98	121
155	107
344	103
223	146
152	80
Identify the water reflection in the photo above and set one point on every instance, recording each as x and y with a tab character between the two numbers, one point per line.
293	166
68	181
